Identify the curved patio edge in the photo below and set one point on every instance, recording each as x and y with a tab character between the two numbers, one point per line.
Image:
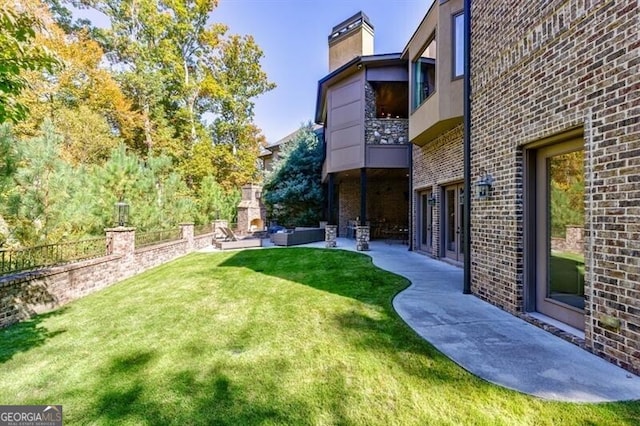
489	342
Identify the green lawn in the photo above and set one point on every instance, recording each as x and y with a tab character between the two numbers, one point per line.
279	336
567	273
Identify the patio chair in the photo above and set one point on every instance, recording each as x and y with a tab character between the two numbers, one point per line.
228	234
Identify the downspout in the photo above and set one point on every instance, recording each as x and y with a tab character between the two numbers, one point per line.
411	199
467	149
363	196
330	196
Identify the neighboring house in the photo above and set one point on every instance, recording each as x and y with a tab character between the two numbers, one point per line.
363	106
556	123
435	58
269	154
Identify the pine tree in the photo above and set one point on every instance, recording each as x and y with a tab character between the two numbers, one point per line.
293	190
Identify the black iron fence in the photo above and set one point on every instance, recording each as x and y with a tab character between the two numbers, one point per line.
207	228
144	239
22	259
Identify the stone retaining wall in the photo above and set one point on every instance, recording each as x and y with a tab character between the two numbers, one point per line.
25	294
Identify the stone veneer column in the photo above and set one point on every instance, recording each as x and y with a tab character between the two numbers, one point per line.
121	241
186	230
362	238
330	234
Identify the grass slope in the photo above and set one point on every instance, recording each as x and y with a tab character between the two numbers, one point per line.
281	336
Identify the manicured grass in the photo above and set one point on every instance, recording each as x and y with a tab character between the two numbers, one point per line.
280	336
567	272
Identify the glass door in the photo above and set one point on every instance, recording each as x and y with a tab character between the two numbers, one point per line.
560	228
426	221
453	221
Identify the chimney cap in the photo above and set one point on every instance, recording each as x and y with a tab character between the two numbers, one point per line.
349	25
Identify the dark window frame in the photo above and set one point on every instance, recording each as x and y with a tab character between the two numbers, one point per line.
459	14
415	64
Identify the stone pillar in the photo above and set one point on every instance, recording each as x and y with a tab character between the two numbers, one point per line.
362	238
186	230
121	241
330	234
574	238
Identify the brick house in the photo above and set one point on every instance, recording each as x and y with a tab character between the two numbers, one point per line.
554	159
556	123
362	106
270	153
434	55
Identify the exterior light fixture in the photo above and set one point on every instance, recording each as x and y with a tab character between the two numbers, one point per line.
122	213
431	200
483	185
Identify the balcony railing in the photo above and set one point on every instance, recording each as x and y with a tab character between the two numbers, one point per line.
387	131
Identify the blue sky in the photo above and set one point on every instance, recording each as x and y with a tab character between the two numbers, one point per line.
293	35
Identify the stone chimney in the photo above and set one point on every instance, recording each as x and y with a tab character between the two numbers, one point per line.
251	212
349	39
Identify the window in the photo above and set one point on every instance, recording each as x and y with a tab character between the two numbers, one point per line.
458	45
392	99
555	232
424	74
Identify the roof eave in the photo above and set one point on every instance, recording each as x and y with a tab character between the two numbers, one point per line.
340	72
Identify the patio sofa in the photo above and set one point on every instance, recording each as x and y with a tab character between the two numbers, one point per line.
297	236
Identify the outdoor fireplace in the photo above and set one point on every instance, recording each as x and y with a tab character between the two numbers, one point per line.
251	212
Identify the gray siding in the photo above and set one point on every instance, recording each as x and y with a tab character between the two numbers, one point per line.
388	74
345	138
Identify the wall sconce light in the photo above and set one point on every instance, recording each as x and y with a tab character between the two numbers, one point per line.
122	213
431	200
483	185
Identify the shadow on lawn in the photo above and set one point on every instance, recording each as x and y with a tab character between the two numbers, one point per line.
125	394
343	273
26	335
352	275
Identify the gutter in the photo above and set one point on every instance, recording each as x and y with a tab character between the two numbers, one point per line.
467	149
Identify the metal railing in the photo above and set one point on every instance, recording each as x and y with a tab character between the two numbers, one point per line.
144	239
22	259
207	228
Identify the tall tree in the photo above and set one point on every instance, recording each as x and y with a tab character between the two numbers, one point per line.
42	186
179	68
293	190
81	97
216	203
19	53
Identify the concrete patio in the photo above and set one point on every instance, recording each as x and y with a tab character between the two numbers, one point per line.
489	342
